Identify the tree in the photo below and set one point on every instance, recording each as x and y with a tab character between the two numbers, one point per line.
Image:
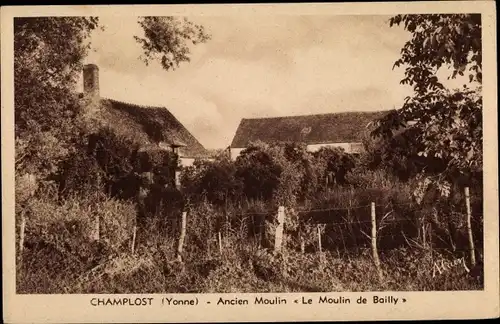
337	163
48	54
48	59
214	180
437	41
447	123
259	172
166	40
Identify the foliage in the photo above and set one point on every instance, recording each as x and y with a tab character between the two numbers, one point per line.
161	204
216	181
288	188
162	164
96	166
259	172
361	178
281	173
165	39
47	60
437	40
203	222
38	153
51	138
447	128
243	265
48	52
59	242
113	164
295	173
79	174
338	164
309	168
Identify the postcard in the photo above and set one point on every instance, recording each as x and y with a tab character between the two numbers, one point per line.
249	162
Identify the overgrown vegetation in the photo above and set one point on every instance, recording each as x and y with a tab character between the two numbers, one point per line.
214	194
72	172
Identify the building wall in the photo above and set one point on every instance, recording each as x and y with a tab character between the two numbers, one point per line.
185	162
317	147
235	152
348	148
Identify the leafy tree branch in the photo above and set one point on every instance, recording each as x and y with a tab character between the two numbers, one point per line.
167	39
445	124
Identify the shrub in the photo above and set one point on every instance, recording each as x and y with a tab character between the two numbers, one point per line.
337	164
59	242
80	174
283	173
216	181
161	163
202	222
259	172
95	166
160	204
365	178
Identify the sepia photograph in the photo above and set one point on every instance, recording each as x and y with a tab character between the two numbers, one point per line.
175	154
245	153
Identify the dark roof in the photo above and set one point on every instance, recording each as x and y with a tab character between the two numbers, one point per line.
347	127
148	125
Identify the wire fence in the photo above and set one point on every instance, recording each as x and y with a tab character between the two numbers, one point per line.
369	227
356	228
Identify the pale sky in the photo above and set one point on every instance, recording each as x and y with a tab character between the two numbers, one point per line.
258	66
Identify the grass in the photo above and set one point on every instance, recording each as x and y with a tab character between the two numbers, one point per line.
241	267
61	256
246	272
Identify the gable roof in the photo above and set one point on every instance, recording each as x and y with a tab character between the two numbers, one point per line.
148	125
344	127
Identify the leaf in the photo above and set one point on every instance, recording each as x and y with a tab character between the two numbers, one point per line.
167	38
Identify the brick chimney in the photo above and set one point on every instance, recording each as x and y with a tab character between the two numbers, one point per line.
91	86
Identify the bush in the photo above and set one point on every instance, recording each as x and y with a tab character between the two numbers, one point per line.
80	174
215	181
59	241
240	201
337	164
161	205
281	173
259	172
113	164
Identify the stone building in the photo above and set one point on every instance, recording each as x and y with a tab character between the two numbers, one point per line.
155	128
343	130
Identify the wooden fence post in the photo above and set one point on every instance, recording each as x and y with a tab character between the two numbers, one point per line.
469	228
97	229
134	233
219	238
181	237
32	187
319	239
424	232
430	243
278	239
374	241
